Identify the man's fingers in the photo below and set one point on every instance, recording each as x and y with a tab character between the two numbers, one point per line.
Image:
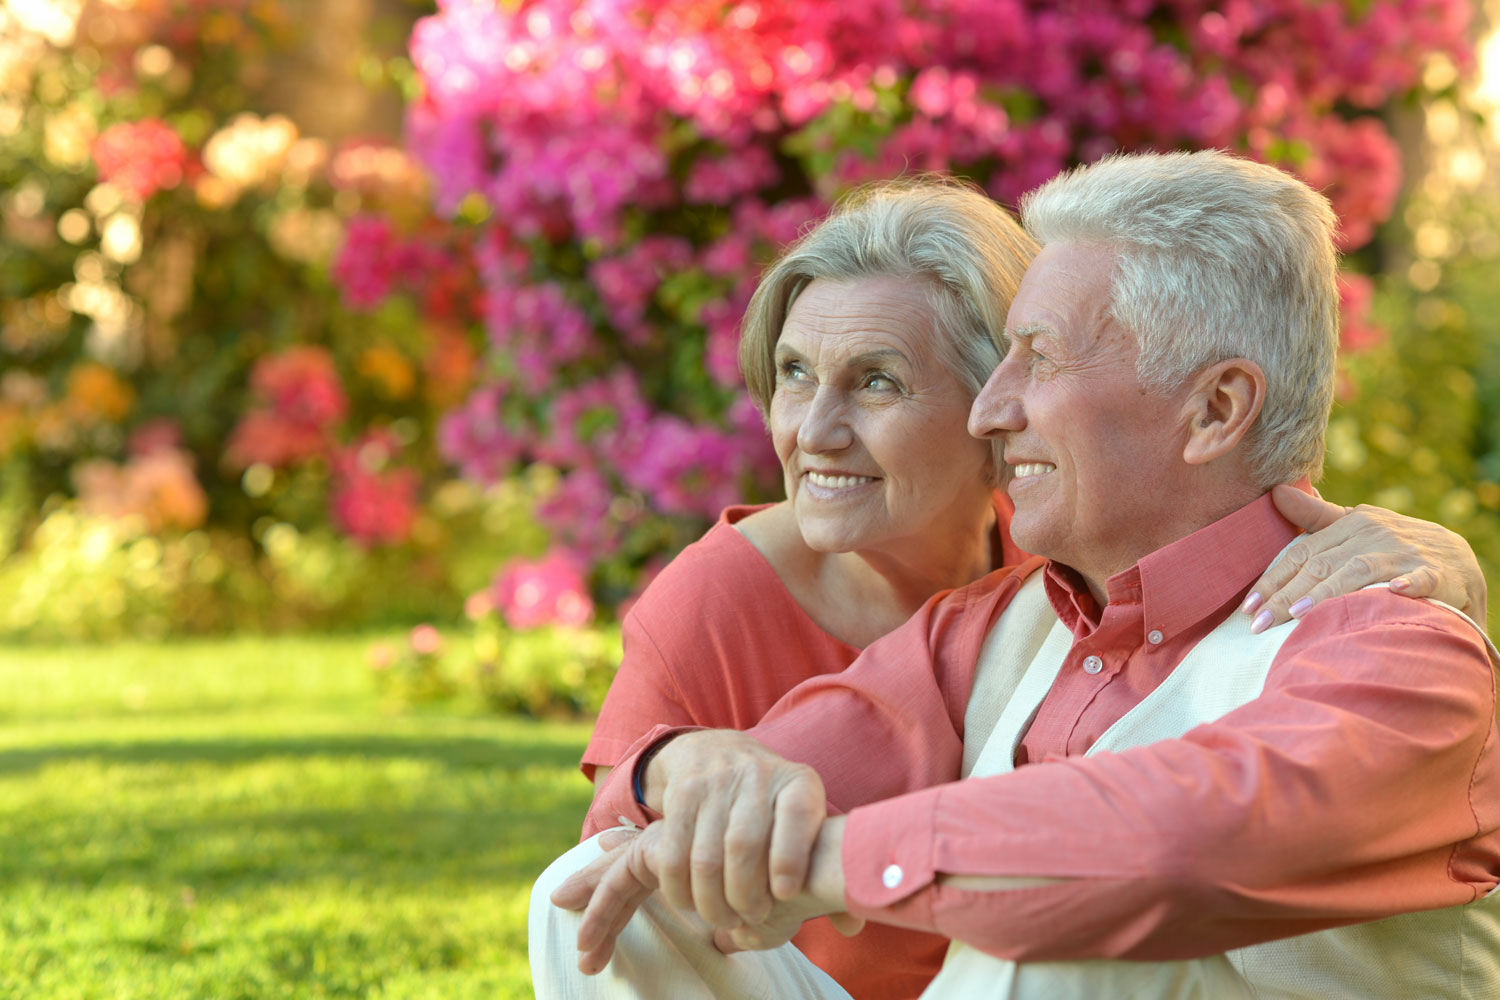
799	814
724	941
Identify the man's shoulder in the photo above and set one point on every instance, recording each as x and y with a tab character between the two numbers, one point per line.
1374	623
1379	607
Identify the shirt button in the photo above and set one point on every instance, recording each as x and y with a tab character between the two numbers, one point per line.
1093	665
892	876
1155	637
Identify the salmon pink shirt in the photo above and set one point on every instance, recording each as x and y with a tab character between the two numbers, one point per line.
715	641
1363	782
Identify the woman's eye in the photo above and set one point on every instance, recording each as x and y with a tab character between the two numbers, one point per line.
879	380
792	370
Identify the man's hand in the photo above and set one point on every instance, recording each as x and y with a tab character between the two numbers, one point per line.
1349	549
823	896
612	887
739	825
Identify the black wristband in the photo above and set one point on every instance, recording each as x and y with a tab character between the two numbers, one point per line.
640	767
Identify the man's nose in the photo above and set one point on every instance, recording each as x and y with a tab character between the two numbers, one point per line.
825	424
997	409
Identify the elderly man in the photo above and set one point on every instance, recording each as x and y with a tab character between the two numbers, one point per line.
1095	759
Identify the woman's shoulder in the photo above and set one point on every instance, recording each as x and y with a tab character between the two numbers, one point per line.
723	568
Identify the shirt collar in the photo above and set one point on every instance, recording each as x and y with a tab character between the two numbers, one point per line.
1182	583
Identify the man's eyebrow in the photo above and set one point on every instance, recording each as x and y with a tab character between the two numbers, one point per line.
1025	331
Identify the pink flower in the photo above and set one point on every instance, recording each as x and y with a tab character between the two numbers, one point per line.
371	501
141	157
366	264
1357	332
302	384
299	398
426	640
547	591
381	656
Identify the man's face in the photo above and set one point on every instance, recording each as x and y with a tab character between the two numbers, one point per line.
1094	455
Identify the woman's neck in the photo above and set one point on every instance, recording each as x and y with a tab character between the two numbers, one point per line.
862	595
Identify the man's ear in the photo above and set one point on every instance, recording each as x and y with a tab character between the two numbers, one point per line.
1221	408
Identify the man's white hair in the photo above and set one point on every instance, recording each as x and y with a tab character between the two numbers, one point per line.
1219	257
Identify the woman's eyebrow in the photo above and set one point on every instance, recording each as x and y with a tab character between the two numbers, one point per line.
876	356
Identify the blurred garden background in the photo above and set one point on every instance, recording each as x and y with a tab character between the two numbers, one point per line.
361	360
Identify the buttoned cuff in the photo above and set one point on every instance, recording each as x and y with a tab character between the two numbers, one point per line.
614	802
888	860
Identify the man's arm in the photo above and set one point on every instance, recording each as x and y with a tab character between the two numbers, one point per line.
1358	786
905	695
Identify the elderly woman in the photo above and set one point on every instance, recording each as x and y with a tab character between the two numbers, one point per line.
865	346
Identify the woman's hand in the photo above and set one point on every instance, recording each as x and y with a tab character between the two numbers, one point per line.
1352	548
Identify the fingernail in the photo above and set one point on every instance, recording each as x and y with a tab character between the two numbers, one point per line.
1300	608
1261	623
1251	603
1400	583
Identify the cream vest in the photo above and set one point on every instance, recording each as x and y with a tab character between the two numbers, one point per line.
1449	954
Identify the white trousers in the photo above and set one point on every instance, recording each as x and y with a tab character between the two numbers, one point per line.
664	954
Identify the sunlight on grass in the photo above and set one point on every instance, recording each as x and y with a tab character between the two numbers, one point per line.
257	829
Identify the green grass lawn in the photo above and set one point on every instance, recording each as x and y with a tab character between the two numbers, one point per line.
239	819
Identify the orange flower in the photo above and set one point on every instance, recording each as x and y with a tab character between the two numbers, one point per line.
97	394
389	369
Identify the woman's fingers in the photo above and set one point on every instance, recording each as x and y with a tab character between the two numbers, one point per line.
620	892
577	889
706	866
1348	551
747	871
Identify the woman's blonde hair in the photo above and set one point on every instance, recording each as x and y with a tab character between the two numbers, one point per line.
946	233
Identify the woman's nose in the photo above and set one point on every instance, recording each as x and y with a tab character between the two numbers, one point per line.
825	425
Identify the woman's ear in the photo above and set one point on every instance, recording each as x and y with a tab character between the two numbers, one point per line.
1224	402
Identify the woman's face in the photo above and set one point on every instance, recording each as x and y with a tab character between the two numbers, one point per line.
870	424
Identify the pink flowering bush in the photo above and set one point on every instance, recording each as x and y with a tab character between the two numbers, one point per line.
231	329
619	171
547	591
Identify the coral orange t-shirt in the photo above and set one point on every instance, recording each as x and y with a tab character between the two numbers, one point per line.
715	641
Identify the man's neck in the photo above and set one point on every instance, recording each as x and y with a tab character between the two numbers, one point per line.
1202	511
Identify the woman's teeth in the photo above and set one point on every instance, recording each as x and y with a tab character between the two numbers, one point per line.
837	482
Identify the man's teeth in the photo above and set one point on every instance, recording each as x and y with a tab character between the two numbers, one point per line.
837	482
1033	469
